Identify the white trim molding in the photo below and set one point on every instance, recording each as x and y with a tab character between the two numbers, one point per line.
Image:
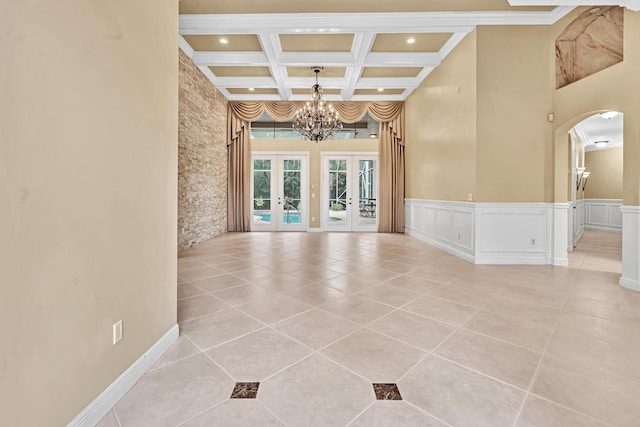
629	4
102	404
630	278
492	233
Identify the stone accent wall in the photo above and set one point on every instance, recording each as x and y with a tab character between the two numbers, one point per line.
202	157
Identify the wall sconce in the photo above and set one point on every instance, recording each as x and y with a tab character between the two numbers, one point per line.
579	173
585	176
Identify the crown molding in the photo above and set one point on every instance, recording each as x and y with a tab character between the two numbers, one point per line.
629	4
302	23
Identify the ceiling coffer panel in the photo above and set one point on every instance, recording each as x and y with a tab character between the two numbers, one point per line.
410	42
316	42
230	71
224	42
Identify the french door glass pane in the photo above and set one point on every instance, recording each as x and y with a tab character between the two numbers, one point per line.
337	192
291	203
261	191
367	191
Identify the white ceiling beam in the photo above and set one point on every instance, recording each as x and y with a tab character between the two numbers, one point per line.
209	74
402	59
307	82
185	46
270	43
230	58
308	97
398	22
361	47
390	82
310	59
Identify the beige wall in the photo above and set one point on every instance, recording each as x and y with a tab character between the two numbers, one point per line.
605	180
88	166
202	157
492	138
440	147
514	98
615	88
315	151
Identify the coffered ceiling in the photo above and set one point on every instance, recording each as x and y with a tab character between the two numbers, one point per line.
370	49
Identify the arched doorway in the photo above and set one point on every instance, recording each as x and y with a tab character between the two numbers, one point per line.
565	178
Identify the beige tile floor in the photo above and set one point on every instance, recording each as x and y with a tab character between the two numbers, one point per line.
317	318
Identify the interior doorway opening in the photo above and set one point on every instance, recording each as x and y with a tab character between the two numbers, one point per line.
596	167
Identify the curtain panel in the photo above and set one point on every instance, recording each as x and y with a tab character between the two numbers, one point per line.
391	191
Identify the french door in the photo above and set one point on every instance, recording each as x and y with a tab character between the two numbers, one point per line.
349	192
278	192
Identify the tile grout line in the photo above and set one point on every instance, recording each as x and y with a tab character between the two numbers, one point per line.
428	413
534	377
116	416
261	403
456	328
354	419
204	412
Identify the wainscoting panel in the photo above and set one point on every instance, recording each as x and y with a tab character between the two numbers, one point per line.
463	229
603	214
490	233
445	225
510	233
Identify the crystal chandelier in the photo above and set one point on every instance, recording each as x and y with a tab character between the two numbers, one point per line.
317	120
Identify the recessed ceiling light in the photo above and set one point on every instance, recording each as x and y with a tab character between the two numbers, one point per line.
251	89
601	144
411	40
224	41
380	89
609	114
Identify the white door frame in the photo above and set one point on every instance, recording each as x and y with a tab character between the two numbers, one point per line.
353	210
276	157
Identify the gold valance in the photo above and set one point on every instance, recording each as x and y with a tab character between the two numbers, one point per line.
350	112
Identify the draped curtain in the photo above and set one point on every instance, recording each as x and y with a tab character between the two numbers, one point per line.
391	191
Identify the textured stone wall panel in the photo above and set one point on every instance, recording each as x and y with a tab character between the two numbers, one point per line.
202	157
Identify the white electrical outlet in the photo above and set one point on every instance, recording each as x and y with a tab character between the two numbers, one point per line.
313	218
117	332
470	197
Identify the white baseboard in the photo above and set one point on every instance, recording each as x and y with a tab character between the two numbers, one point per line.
602	228
102	404
634	285
512	259
439	244
315	230
561	262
